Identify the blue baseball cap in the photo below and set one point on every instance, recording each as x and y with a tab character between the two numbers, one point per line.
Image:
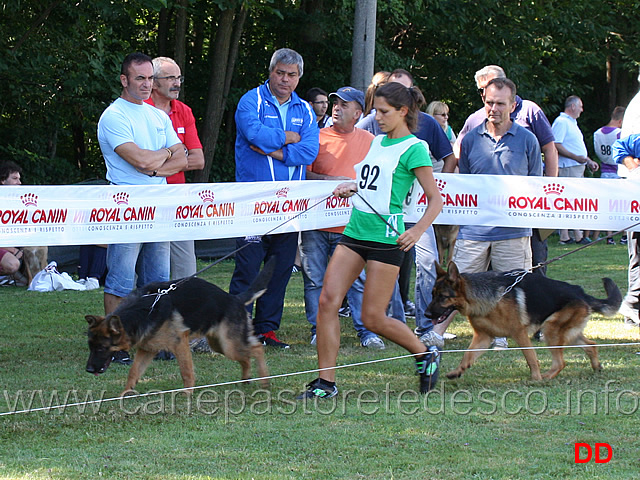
350	94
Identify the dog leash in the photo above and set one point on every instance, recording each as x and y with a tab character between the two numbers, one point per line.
161	292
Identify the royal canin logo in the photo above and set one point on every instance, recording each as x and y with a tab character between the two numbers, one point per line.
283	192
451	199
553	189
29	199
207	196
121	198
207	209
39	216
548	202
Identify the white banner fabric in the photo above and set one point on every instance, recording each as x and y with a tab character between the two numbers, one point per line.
79	215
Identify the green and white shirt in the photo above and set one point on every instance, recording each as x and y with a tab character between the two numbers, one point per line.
384	178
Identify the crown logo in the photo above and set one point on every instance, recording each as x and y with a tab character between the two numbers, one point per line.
29	199
206	196
440	184
121	198
283	192
553	189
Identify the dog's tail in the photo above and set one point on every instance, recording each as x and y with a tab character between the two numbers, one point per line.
611	304
259	285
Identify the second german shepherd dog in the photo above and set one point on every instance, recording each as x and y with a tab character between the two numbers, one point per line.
559	309
193	307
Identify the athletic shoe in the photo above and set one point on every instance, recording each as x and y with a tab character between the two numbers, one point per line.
584	241
122	357
373	342
313	339
344	312
200	345
164	355
611	241
318	389
449	336
624	240
428	368
629	322
499	343
269	339
409	309
628	312
567	242
432	339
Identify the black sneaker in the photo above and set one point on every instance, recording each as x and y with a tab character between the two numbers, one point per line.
164	355
269	339
122	357
344	312
624	240
584	241
428	368
318	389
567	242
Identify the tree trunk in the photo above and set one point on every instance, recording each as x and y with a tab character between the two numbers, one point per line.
163	31
180	50
224	56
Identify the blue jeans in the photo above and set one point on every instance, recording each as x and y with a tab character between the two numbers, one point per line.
315	249
150	261
426	255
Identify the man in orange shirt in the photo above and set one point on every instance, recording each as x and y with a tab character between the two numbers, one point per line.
341	147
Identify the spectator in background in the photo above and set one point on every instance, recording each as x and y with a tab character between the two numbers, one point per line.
167	82
603	140
10	257
319	101
499	146
440	111
277	137
530	116
378	79
626	151
572	153
140	147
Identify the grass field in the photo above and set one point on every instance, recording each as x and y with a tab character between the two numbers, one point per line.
493	423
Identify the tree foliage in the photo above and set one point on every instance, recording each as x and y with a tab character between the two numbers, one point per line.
60	61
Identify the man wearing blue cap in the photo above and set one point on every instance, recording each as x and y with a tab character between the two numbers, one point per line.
341	147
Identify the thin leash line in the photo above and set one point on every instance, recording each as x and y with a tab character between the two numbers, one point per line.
177	283
378	214
303	372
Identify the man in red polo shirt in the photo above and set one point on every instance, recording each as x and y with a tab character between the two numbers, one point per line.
167	80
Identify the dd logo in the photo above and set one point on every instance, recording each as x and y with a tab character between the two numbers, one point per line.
590	452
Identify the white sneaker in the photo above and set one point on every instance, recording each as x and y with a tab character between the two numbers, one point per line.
449	336
626	311
432	338
374	342
499	343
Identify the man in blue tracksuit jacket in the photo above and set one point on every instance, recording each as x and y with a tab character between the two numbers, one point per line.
277	137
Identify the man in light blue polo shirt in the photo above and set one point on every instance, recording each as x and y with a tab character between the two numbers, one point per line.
499	146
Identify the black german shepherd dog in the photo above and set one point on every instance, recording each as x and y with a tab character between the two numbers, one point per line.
191	307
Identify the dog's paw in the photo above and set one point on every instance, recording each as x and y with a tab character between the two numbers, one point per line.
454	374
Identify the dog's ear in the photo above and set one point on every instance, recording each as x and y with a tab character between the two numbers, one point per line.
92	320
440	272
454	274
115	325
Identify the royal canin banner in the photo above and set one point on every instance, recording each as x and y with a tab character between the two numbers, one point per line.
78	215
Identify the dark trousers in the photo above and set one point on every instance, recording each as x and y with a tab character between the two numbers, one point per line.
632	297
539	251
249	260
